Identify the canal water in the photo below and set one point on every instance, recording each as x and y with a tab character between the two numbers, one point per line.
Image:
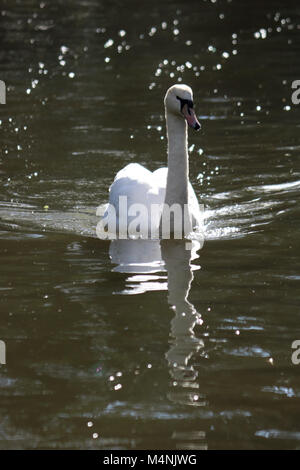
147	344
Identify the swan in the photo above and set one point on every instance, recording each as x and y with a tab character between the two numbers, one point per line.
136	190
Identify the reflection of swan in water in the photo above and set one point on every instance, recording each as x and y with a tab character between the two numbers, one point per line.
145	260
142	259
180	276
136	256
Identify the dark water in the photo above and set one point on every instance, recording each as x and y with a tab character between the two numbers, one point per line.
185	352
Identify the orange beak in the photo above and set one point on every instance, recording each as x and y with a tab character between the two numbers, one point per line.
190	117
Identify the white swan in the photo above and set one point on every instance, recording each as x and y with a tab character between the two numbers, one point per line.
148	190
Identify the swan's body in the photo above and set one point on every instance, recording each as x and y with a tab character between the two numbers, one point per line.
166	185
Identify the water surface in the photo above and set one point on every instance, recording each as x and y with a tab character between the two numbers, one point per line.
148	345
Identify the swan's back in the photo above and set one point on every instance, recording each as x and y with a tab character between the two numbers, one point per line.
138	184
141	186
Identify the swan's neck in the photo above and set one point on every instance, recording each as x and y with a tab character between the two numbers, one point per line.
178	164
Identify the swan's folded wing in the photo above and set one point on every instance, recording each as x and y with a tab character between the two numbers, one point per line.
134	182
134	172
160	177
194	207
158	191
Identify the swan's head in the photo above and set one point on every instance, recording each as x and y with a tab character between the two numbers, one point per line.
179	101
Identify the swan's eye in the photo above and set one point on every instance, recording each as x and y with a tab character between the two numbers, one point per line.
189	103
